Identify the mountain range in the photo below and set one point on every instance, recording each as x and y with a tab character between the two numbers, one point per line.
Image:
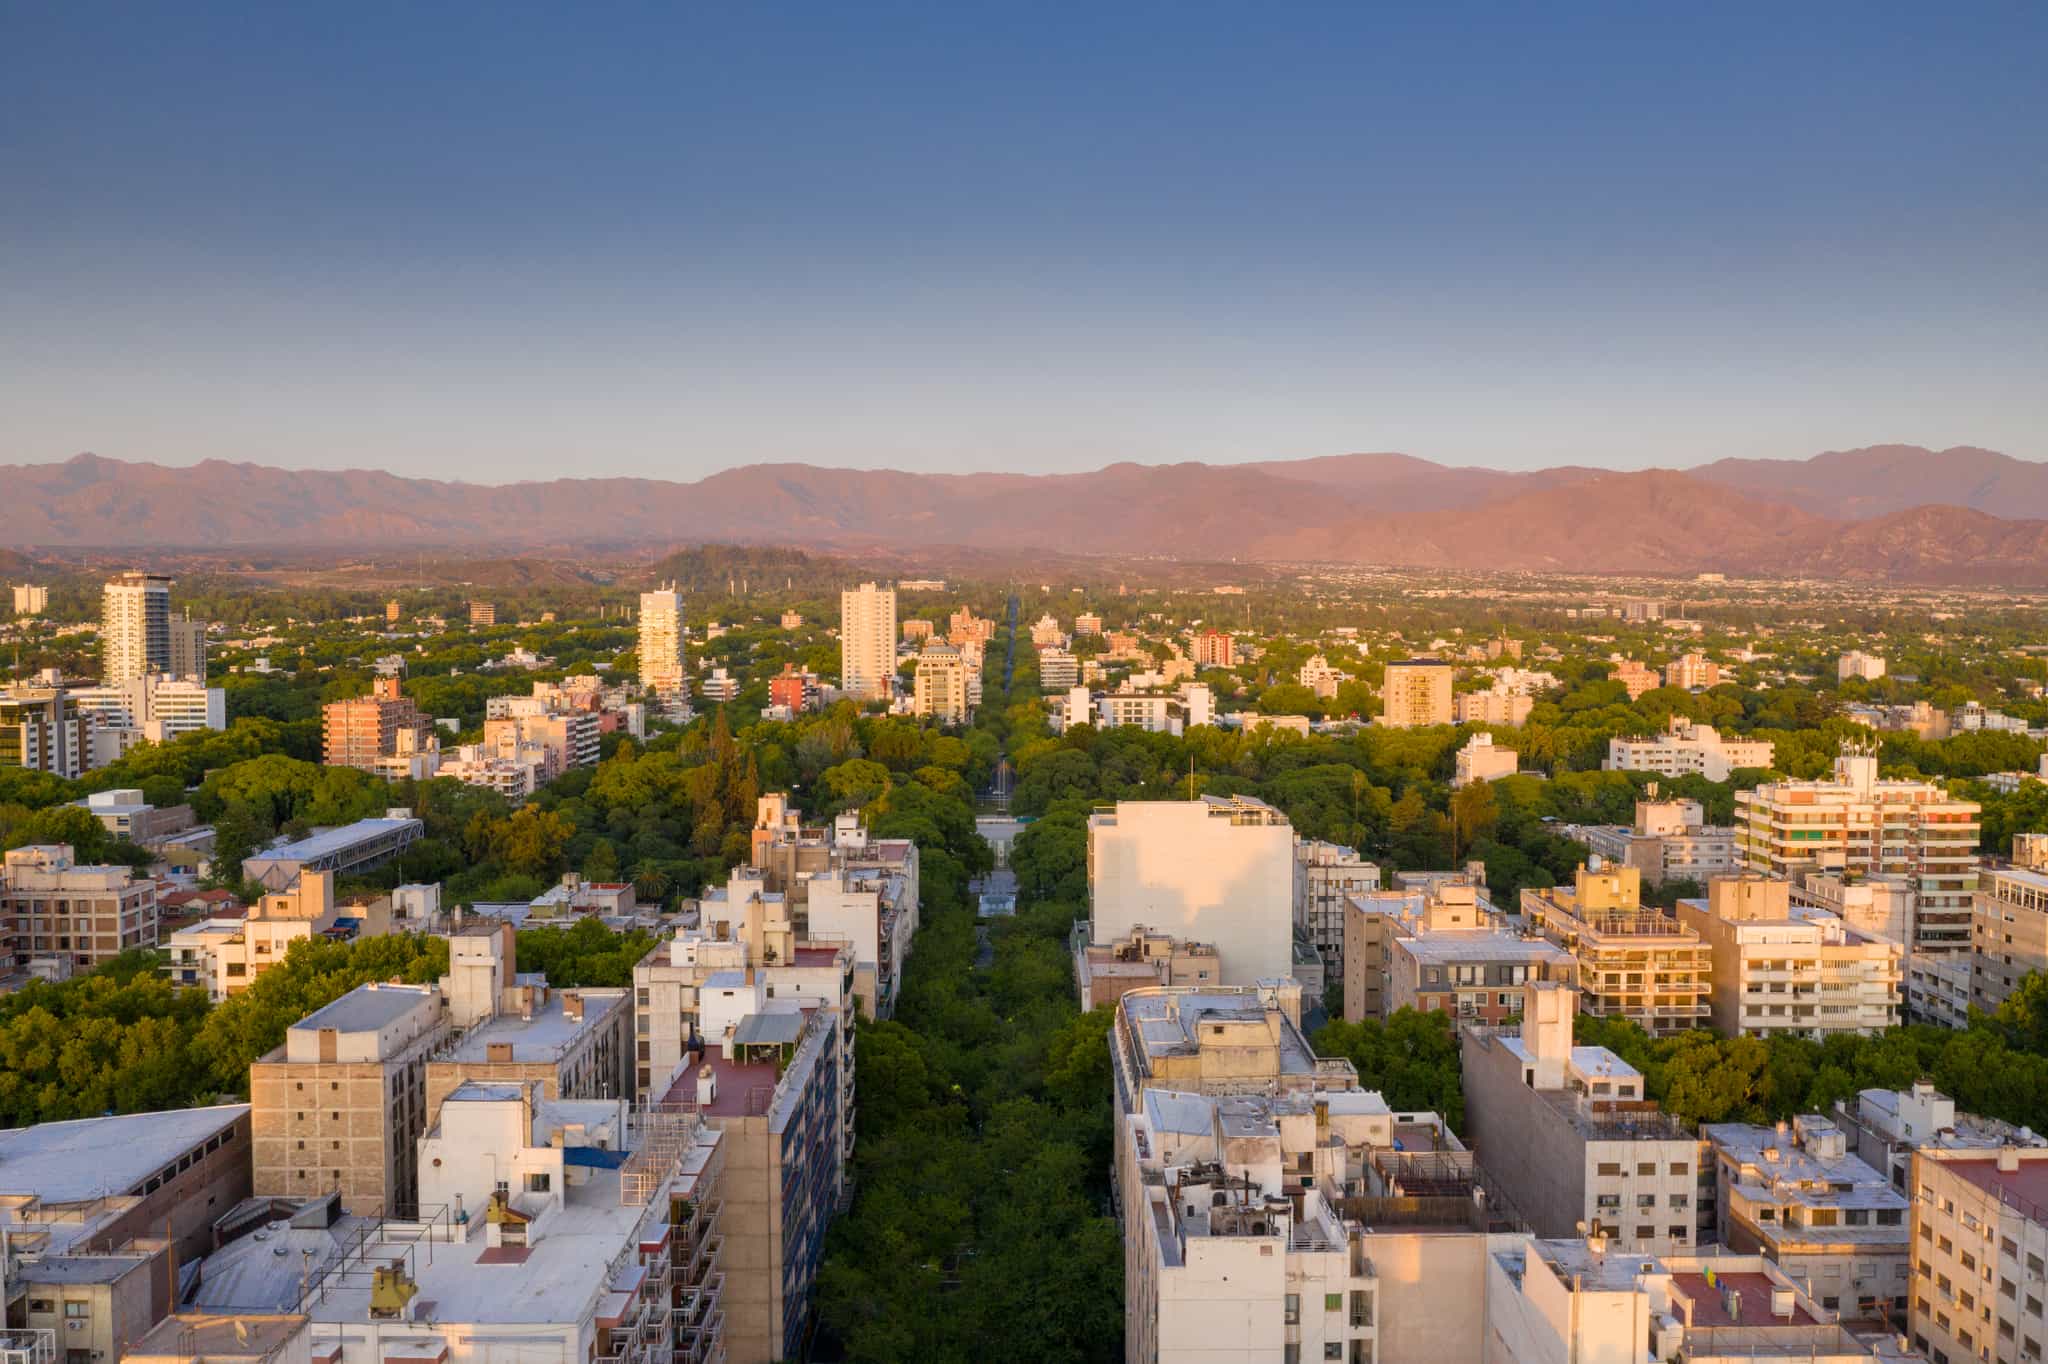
1894	513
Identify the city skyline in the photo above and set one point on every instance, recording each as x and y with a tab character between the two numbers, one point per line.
487	248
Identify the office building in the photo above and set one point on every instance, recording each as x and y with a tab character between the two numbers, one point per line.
1325	876
1780	968
1481	760
1979	1254
1833	1224
867	642
1692	672
40	731
1669	841
662	670
1493	707
362	730
1571	1136
351	847
188	649
85	915
1217	870
1635	962
1416	693
1687	749
1856	663
2008	932
135	627
939	686
30	599
1859	823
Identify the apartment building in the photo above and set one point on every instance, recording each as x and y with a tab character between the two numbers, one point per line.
1693	672
1668	841
558	740
1496	706
1416	693
1886	1126
1058	670
1217	870
1325	875
1087	623
794	691
1374	918
154	707
1859	823
1571	1136
1634	677
40	731
939	686
867	642
1832	1223
1106	972
1635	962
1686	749
1319	677
1881	906
1482	760
1471	974
1314	1225
870	909
83	914
31	599
361	730
768	1077
662	667
188	649
1213	649
1216	1040
135	627
482	614
2008	933
353	847
1780	968
1979	1254
342	1104
262	939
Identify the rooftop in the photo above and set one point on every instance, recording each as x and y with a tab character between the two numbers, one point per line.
1162	1029
218	1336
543	1037
1748	1291
2029	1183
1478	944
334	840
368	1008
68	1162
1600	1271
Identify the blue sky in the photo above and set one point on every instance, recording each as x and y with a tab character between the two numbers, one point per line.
499	242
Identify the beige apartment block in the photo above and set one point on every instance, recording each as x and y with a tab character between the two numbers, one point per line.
341	1105
662	668
1416	693
1325	876
867	641
1483	760
1980	1254
85	915
1495	707
2008	933
939	687
1106	972
1859	823
1780	968
1373	919
1635	962
276	922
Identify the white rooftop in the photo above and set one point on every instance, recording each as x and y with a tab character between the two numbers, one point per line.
65	1162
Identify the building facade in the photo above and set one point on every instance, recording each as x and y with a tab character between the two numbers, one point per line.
662	669
867	642
135	627
1634	962
1416	693
1778	968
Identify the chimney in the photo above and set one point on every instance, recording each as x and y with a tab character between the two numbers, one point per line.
707	1085
498	1051
2008	1160
572	1006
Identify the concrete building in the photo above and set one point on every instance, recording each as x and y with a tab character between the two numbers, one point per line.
1087	623
363	729
1693	672
874	910
1571	1136
482	614
1832	1223
1881	906
1779	968
154	708
2008	933
30	599
793	690
262	939
1859	823
566	1043
1979	1254
84	914
1416	693
1471	974
1886	1126
1634	677
1106	972
939	686
1213	649
1218	870
342	1104
1325	876
1492	707
1686	749
1856	663
1058	670
188	649
867	642
135	627
662	665
40	731
1669	841
1374	918
351	847
1322	679
559	740
1634	962
1315	1225
768	1078
1481	760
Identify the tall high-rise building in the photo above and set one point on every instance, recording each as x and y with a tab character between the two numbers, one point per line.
867	640
661	641
188	648
360	730
135	627
1417	692
940	689
40	731
30	599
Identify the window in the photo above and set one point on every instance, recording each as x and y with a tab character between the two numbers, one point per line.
1646	1233
1294	1309
1647	1167
1333	1349
537	1181
1646	1200
1610	1169
77	1311
1679	1168
1333	1302
1678	1233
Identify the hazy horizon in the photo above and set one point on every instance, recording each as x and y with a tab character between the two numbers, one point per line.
525	242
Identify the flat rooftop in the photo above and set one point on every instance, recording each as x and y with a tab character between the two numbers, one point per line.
546	1036
2029	1182
1710	1301
367	1008
1465	945
1599	1270
217	1336
68	1162
336	840
1165	1031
